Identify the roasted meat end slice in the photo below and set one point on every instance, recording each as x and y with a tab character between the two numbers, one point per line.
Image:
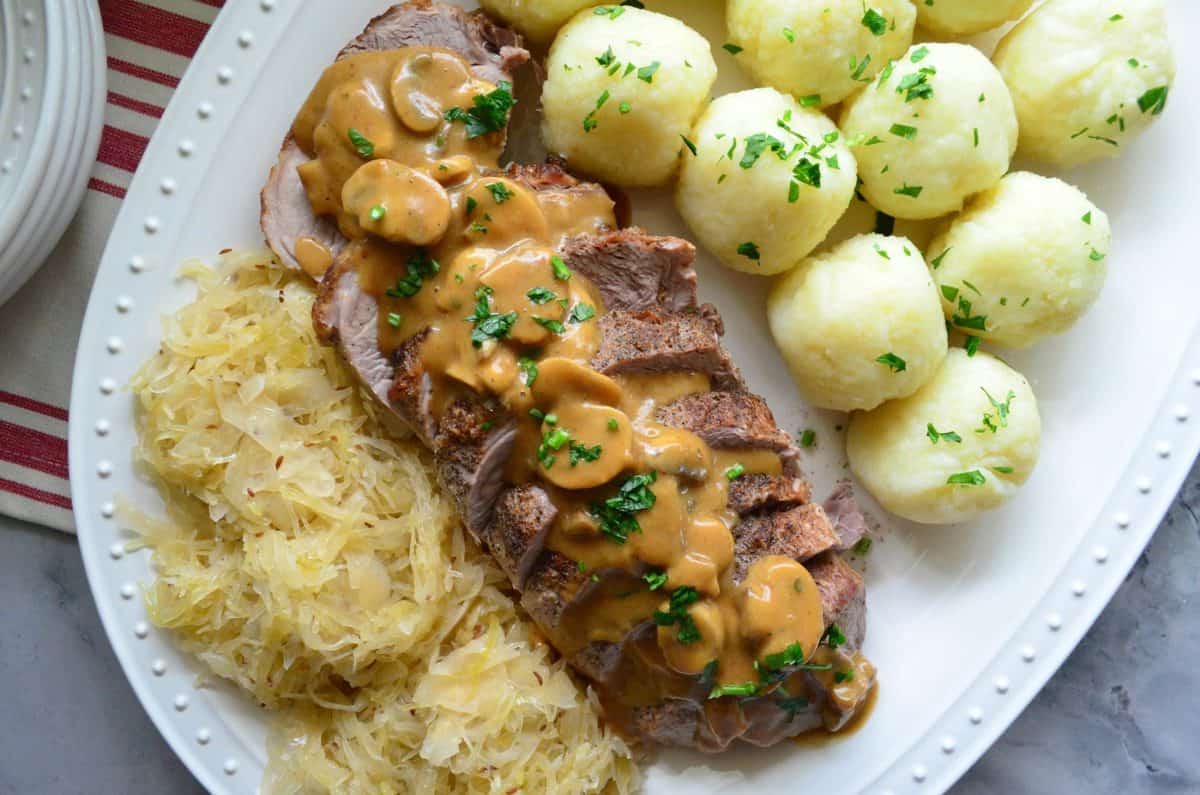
646	341
799	533
753	493
493	52
727	421
517	532
635	270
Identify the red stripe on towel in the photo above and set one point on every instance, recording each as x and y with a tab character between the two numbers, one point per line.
37	495
36	406
33	449
152	26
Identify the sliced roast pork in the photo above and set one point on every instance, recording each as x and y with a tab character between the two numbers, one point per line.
493	52
652	324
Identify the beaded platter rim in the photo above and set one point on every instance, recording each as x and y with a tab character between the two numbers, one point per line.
222	757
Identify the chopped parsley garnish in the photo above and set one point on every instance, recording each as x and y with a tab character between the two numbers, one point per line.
561	271
789	34
607	58
949	292
1087	217
894	362
1003	410
488	324
581	312
972	345
879	250
616	514
489	112
731	48
581	452
551	325
471	204
936	436
688	143
419	268
917	85
540	295
552	441
862	547
749	251
529	371
875	22
742	690
807	172
500	192
810	101
655	579
903	131
919	54
937	261
757	144
613	425
912	191
378	212
964	319
858	67
1003	470
606	11
976	133
1095	256
676	614
646	73
735	471
808	437
972	478
361	144
394	319
833	636
843	676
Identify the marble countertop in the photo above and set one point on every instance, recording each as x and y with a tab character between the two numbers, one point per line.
1121	715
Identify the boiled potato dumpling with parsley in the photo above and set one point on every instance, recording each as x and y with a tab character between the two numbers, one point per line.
820	51
935	127
539	20
1025	260
963	444
859	325
622	91
1087	76
967	17
767	182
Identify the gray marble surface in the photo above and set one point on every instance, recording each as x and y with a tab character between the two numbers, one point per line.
1123	715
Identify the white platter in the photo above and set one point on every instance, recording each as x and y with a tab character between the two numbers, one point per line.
966	625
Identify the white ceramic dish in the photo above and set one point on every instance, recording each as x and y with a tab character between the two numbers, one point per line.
966	624
60	140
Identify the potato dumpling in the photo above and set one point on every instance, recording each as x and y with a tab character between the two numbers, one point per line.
538	20
1024	261
859	325
934	128
961	445
1087	76
820	51
622	91
967	17
769	179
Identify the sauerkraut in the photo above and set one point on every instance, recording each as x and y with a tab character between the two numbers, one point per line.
308	556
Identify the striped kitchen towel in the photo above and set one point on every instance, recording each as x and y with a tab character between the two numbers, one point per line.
149	45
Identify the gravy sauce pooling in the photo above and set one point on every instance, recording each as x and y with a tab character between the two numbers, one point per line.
405	147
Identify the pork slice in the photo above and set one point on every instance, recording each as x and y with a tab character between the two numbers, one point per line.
799	533
635	270
470	450
847	518
727	421
550	175
753	493
675	722
348	318
647	341
493	52
286	214
516	535
838	583
553	584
